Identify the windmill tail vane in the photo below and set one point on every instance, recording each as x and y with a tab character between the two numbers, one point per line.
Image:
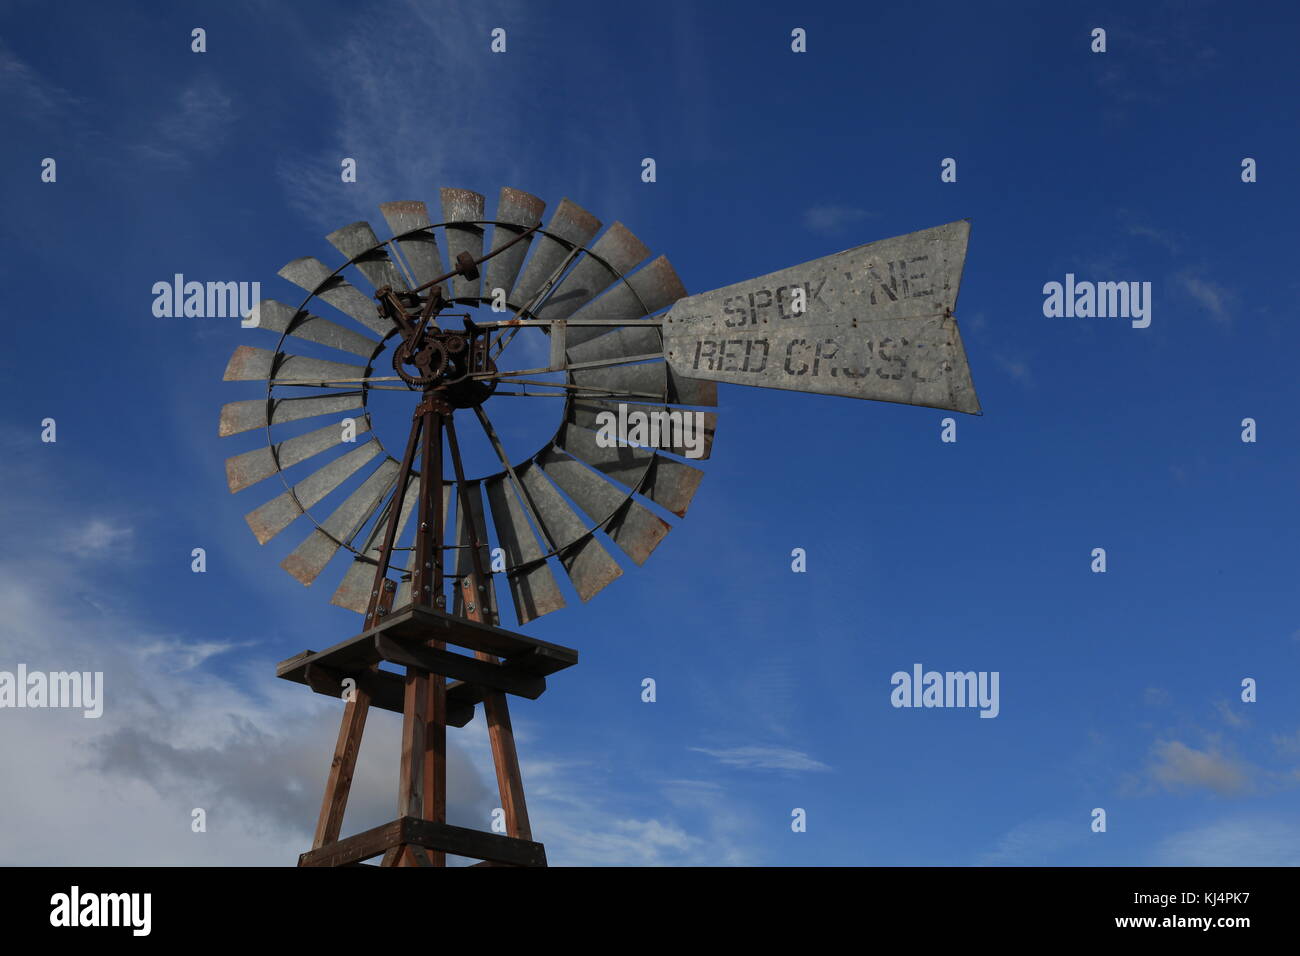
874	322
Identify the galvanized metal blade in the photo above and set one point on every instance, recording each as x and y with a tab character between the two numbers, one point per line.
591	275
522	211
278	513
473	490
277	317
625	464
616	343
648	378
635	528
678	431
571	223
877	324
532	586
584	558
308	560
631	341
645	292
313	275
248	364
419	250
243	471
666	482
459	208
358	241
354	592
238	417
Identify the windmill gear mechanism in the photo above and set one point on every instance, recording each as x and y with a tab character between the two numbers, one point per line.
621	337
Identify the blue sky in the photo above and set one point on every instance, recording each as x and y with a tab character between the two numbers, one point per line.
1118	690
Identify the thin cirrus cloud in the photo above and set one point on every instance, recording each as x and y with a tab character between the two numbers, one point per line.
1177	766
831	218
1254	840
24	90
1210	296
764	758
194	123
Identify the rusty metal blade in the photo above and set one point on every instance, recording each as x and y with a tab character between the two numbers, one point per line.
619	248
463	206
645	292
464	562
878	325
635	528
237	417
251	467
571	223
588	564
691	391
313	275
672	430
420	250
278	513
520	209
248	364
353	592
277	317
357	241
671	484
308	560
532	586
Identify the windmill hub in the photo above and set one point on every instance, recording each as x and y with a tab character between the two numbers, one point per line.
448	361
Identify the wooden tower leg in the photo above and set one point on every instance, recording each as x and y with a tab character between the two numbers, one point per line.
339	784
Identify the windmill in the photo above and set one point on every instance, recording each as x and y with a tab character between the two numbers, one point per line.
873	322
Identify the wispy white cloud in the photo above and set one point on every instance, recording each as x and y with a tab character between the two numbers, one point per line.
198	121
1210	296
1234	841
764	758
24	91
1177	766
1034	842
832	218
97	538
407	136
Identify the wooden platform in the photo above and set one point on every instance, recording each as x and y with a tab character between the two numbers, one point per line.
403	639
492	848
